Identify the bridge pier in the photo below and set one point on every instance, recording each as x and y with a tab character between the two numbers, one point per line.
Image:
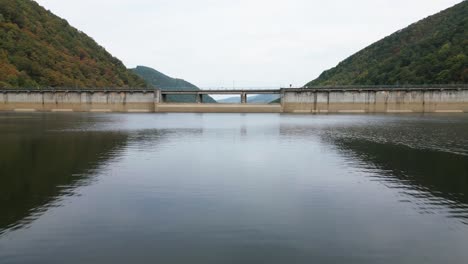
243	98
199	98
157	96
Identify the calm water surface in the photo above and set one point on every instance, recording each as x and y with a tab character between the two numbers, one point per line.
233	188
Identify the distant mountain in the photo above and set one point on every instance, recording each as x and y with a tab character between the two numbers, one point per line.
257	99
39	49
230	100
431	51
263	98
164	82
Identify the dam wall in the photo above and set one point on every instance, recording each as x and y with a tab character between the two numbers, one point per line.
79	101
308	101
392	100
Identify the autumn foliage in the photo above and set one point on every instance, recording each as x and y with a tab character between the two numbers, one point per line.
431	51
39	49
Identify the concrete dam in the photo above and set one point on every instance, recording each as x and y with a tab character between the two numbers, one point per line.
317	100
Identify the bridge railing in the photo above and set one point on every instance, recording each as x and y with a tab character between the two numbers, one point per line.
238	91
74	89
385	87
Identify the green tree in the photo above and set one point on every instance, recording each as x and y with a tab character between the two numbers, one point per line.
431	51
49	52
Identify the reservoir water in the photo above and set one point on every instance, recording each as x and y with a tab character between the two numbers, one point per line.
233	188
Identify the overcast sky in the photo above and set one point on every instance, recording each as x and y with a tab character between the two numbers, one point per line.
257	43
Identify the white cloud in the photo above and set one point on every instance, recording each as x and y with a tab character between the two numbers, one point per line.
254	42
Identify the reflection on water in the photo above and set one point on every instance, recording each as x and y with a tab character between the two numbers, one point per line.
38	168
178	188
425	158
438	180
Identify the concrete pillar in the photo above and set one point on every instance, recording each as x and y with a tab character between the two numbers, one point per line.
243	98
282	92
199	98
157	96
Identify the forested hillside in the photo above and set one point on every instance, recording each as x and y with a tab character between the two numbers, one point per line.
164	82
431	51
39	49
